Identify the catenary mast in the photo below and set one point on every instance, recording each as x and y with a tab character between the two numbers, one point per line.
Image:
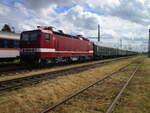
149	45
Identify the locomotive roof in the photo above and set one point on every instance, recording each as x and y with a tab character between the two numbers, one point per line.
59	33
9	35
70	36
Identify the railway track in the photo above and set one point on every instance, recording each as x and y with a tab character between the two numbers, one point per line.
98	82
110	108
29	80
12	69
16	69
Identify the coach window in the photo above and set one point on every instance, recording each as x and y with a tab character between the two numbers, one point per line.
10	44
1	43
47	36
5	43
16	44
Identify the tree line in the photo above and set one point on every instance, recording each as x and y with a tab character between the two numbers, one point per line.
7	28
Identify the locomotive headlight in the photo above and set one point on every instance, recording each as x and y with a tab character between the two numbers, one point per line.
21	50
34	50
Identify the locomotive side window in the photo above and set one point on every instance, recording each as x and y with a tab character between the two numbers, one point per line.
47	36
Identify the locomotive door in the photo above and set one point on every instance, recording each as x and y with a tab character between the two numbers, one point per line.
55	46
48	44
48	41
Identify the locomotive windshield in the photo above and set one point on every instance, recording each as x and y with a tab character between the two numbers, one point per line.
30	36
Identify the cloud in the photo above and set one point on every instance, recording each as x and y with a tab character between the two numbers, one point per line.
4	10
133	10
46	7
40	4
77	19
104	4
21	9
124	20
81	19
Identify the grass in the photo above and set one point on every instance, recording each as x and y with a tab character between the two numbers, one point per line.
35	98
98	98
136	98
10	62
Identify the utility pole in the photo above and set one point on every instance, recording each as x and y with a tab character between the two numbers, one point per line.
98	33
149	45
120	43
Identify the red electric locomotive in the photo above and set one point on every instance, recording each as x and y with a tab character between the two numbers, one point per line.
45	46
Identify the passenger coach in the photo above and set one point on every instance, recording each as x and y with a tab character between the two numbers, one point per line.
9	46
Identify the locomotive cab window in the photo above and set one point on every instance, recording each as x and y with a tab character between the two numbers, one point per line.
47	36
25	37
34	36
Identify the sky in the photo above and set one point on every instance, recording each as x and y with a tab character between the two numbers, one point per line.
125	21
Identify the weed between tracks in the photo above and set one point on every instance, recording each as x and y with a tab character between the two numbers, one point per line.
37	97
97	99
136	98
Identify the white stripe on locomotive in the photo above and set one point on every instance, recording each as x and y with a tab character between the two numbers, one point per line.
51	50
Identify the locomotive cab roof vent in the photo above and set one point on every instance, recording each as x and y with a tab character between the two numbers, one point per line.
61	31
79	35
45	27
